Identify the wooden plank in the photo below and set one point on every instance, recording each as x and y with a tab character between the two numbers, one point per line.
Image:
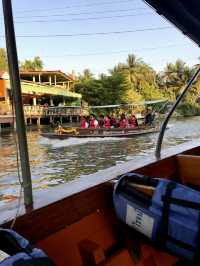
91	253
121	258
166	168
189	169
54	217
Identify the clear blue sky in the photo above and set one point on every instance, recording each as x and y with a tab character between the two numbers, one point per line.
101	52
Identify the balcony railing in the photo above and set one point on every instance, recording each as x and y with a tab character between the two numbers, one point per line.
65	110
38	110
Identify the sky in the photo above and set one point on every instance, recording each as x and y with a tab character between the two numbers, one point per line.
98	34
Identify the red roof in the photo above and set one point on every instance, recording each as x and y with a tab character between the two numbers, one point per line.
46	72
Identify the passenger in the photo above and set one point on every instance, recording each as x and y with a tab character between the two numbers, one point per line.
101	121
123	121
113	121
132	122
84	123
149	117
93	122
107	121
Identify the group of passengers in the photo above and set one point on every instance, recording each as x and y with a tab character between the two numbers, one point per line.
114	121
109	121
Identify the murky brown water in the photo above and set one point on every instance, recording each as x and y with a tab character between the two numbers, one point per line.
58	161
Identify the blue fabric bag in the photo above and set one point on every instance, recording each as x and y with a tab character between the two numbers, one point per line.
20	251
170	218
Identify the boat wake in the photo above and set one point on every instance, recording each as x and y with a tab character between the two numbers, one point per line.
55	143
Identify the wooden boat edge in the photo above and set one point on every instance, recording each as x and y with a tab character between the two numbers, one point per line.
132	133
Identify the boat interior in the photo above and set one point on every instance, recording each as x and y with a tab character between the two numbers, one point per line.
83	229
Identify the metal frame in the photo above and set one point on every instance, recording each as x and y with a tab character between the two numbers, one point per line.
17	98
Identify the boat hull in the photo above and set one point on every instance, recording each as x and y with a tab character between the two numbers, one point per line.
103	133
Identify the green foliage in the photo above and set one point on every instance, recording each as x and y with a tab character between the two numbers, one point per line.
188	109
3	59
173	79
141	78
129	82
102	91
131	96
35	64
87	75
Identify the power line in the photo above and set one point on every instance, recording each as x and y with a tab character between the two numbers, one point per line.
115	52
91	33
74	6
83	13
84	19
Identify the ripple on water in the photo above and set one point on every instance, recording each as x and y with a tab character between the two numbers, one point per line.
54	143
57	161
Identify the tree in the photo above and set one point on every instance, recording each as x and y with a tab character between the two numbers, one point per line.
3	59
140	77
87	75
38	63
174	78
132	66
107	89
35	64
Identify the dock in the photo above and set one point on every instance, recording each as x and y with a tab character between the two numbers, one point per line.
40	115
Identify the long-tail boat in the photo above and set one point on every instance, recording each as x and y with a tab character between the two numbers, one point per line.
101	132
76	224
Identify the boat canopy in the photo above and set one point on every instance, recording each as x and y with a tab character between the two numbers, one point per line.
127	105
184	14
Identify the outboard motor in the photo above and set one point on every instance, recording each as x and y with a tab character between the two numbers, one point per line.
20	252
169	217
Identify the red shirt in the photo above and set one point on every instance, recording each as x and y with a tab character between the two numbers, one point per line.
107	122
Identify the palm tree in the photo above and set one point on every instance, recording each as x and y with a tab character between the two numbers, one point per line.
87	75
38	63
176	75
131	68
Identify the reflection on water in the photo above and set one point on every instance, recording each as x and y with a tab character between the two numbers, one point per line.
58	161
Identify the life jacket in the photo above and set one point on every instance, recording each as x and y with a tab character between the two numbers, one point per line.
132	122
20	252
107	123
83	124
171	218
92	124
123	123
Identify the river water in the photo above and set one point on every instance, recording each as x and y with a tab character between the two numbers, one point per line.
58	161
